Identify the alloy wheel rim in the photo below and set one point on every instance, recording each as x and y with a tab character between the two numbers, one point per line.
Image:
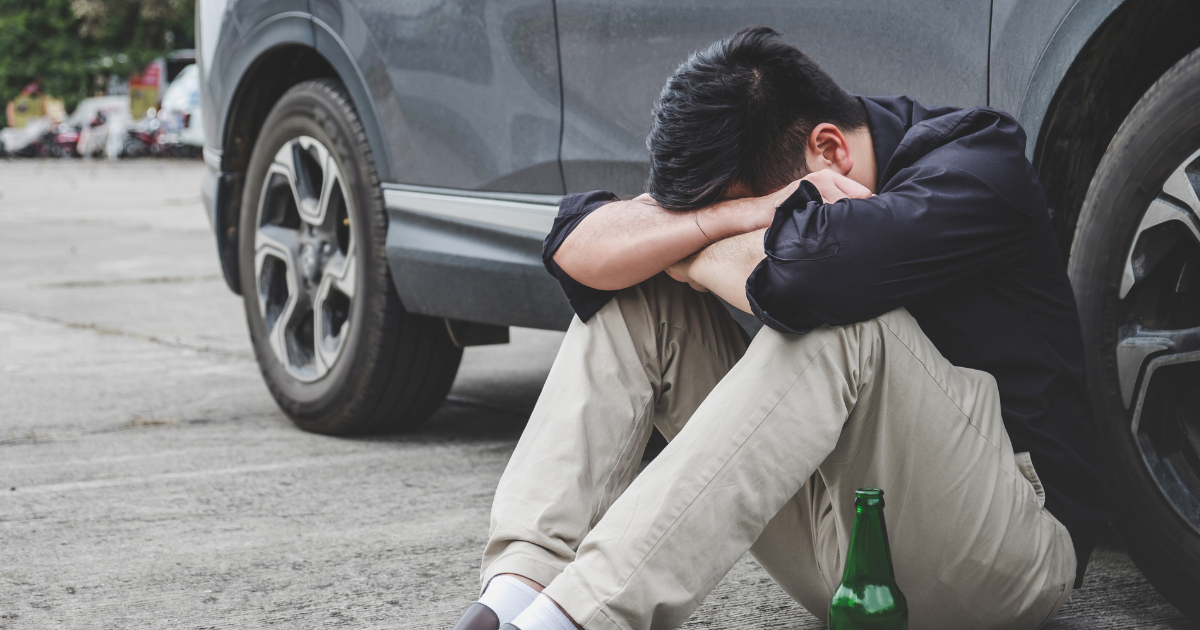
1158	339
304	259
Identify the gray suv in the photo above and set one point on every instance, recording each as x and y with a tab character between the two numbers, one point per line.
382	173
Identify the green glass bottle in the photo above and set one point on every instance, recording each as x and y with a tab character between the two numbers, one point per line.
868	597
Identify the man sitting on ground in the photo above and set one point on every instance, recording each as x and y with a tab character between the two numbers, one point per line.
921	337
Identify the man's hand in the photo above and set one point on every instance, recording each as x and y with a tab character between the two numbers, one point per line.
723	267
682	271
833	186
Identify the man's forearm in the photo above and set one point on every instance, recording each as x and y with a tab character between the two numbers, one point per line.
724	266
626	242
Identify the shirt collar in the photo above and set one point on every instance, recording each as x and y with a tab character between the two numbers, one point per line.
887	126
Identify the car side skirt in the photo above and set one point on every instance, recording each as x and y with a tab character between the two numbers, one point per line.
474	257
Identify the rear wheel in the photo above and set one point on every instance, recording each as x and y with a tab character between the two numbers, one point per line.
1133	265
335	346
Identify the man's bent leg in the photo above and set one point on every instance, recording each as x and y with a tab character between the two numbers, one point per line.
650	355
971	543
970	537
759	438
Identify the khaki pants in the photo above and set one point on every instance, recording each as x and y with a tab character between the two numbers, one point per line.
767	446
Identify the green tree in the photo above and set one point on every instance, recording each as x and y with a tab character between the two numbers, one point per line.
71	46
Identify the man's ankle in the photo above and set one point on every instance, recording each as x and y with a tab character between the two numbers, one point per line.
504	597
545	614
528	582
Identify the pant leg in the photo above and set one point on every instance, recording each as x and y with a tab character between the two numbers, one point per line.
799	548
867	404
650	356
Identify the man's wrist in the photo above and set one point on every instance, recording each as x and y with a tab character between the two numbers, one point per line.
726	218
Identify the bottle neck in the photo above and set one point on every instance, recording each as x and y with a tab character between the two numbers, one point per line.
869	560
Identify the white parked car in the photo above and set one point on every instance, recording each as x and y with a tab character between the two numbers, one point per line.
180	112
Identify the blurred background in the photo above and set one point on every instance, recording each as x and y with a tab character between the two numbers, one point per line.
99	78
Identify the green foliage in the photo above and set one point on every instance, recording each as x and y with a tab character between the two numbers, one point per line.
72	46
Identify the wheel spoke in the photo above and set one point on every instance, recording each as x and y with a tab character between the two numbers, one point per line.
286	323
278	293
284	240
332	304
275	243
328	344
285	164
1160	211
342	272
310	160
320	365
1143	352
329	191
1180	186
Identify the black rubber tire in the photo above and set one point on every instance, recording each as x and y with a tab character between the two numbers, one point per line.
1160	133
397	367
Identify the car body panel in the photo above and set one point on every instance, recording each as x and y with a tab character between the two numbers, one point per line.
467	91
489	250
1033	45
1020	31
230	64
616	55
250	13
360	62
216	37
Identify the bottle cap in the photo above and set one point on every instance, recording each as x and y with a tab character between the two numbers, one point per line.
872	497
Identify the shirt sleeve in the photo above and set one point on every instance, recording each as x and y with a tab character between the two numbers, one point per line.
939	221
585	300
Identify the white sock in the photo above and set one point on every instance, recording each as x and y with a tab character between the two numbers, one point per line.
507	597
543	614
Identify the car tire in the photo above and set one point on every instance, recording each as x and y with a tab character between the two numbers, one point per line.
336	347
1137	241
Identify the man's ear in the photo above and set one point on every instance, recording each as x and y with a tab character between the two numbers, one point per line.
828	148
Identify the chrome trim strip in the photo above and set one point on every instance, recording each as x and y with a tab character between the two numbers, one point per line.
532	214
548	200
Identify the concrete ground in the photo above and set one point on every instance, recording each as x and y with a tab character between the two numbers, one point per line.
147	479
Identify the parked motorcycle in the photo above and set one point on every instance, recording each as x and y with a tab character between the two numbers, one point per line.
33	140
142	138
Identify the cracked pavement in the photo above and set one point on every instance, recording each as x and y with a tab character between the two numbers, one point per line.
148	480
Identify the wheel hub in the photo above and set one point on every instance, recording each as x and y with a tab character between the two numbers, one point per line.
305	259
315	252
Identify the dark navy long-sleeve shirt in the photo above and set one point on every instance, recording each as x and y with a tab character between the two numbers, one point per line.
959	234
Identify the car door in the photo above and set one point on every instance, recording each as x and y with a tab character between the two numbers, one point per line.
470	100
616	55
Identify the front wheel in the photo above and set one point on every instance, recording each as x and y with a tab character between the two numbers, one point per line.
334	344
1133	266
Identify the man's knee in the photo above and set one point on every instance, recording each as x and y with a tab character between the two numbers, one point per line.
859	339
650	310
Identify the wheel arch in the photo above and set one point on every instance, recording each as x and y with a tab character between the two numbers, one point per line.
1110	72
275	56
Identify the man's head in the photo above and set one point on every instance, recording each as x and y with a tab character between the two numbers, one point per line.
741	113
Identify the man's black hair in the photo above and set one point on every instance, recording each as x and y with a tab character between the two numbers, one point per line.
741	111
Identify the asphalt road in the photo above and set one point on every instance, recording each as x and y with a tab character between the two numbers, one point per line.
147	479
